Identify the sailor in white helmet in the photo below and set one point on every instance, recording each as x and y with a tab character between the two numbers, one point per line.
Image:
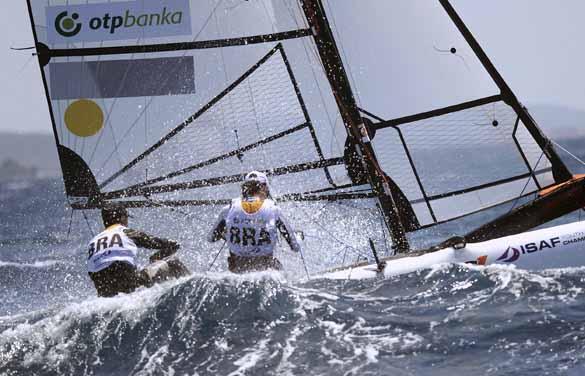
250	226
111	261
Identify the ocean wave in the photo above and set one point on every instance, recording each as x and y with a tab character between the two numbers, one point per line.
261	323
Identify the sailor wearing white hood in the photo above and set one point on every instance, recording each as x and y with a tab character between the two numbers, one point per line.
250	226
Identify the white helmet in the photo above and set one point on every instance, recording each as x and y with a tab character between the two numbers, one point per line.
253	182
256	176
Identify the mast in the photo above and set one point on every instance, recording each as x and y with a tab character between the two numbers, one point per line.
560	171
357	131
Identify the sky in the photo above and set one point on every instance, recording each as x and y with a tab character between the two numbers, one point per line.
536	44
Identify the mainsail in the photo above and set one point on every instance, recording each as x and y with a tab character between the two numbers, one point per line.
142	119
170	103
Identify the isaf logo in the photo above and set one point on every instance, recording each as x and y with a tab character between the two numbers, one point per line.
67	26
513	253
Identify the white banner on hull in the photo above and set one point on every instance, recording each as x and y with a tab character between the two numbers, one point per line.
554	247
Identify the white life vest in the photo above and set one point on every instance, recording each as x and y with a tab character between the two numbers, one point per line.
252	234
109	246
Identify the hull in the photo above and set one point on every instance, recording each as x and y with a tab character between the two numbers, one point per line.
554	247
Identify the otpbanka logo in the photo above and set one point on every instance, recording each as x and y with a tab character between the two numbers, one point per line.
513	253
67	26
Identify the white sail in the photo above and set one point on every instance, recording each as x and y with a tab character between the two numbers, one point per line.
169	103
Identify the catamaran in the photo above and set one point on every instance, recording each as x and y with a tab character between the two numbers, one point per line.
168	104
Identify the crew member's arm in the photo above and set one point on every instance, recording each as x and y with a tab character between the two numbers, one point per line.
219	229
287	232
166	247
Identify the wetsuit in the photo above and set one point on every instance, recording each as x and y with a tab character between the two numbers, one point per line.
111	262
252	237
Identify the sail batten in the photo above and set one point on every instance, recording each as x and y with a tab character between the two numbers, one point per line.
149	190
168	47
438	112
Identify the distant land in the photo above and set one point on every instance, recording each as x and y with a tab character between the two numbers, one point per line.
38	151
27	153
559	123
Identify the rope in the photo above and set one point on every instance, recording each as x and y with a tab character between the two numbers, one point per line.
174	210
216	256
70	223
327	231
304	264
87	222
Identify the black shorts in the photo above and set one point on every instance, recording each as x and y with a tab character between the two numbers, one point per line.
123	277
119	277
240	264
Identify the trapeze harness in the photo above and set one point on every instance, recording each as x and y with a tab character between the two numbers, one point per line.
251	237
111	261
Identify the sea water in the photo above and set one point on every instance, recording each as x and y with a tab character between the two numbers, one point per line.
448	320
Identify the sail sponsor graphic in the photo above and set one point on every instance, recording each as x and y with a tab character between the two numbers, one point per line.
118	21
123	78
512	254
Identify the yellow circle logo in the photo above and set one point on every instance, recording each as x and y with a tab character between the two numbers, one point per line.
84	118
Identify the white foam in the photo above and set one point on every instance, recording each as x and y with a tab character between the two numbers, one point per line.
251	358
36	264
48	334
155	363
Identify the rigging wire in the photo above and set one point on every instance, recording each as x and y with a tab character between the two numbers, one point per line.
453	51
383	226
227	98
116	151
216	256
528	180
110	110
70	223
174	210
568	152
308	52
87	222
491	115
304	264
329	232
352	266
240	155
344	55
572	156
25	65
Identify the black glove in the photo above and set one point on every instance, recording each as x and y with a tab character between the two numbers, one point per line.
169	250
